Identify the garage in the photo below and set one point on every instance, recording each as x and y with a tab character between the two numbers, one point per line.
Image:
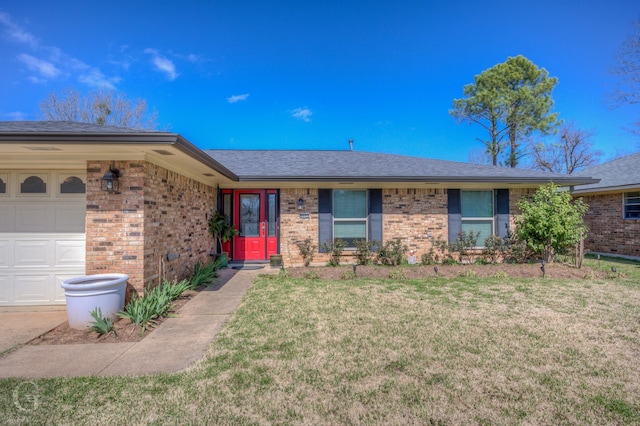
42	234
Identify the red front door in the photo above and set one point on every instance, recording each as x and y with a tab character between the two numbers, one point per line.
255	216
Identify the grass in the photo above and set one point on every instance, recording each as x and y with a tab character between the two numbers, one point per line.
394	351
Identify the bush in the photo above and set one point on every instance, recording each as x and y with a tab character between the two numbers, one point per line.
441	252
551	220
335	249
464	245
156	302
307	250
398	274
494	248
393	253
312	275
204	274
365	251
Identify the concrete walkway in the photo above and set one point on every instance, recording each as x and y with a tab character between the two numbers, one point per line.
173	346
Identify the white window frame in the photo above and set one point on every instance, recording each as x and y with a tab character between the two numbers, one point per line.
352	219
471	219
625	204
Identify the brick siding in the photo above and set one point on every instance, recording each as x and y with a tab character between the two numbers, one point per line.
415	215
608	231
155	212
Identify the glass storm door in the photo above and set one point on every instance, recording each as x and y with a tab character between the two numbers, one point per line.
255	216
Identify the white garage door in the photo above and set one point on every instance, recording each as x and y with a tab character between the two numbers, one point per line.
42	235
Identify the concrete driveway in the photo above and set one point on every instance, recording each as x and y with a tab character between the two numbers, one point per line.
19	325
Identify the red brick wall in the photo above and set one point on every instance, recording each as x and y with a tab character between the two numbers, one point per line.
156	212
608	231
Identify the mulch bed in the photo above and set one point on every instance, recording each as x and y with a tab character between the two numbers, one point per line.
126	331
530	270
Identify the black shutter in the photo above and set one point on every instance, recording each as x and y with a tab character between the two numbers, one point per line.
325	218
502	212
375	215
455	214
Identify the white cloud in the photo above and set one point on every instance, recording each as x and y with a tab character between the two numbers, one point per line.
15	32
95	78
303	114
237	98
163	64
50	62
45	69
16	116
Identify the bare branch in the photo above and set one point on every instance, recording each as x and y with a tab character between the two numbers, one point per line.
102	107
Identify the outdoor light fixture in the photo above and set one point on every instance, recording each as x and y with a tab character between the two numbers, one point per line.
110	180
300	203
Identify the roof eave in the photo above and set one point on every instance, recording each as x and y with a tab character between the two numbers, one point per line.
143	138
421	179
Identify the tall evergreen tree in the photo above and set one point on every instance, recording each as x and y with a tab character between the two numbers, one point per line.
511	101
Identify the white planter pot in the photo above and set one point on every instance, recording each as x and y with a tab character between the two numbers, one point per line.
85	294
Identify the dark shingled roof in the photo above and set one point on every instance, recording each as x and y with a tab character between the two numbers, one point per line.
622	173
274	165
62	127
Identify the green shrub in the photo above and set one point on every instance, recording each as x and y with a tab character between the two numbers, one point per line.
464	245
429	258
551	220
494	247
101	325
335	249
398	274
349	275
205	274
365	251
307	250
156	303
312	275
393	253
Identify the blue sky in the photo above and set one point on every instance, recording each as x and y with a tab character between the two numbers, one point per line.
311	75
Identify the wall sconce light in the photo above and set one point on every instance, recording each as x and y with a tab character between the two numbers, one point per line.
110	180
300	203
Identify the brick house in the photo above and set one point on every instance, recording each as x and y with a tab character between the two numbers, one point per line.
58	219
614	206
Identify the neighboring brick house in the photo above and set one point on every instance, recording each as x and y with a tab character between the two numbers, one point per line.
614	206
58	221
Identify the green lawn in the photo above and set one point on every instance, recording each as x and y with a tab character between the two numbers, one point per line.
434	351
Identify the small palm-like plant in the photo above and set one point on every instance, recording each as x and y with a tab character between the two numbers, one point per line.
101	325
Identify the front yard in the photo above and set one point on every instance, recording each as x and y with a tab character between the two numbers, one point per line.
434	350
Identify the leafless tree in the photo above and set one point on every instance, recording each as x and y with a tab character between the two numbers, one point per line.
572	151
627	70
102	107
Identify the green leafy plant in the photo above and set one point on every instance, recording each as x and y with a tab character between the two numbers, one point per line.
465	244
551	220
440	251
393	253
101	325
204	274
335	249
312	275
349	275
494	248
365	251
398	274
221	229
307	250
156	303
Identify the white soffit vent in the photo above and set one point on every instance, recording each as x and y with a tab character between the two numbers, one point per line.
208	174
42	148
163	152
